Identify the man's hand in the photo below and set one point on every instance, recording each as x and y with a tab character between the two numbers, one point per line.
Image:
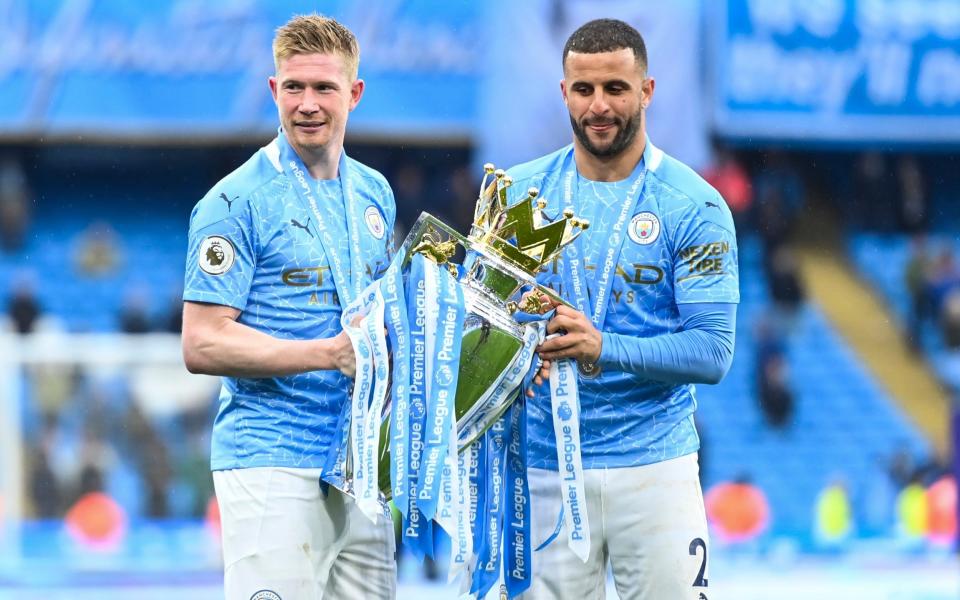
543	374
341	349
580	340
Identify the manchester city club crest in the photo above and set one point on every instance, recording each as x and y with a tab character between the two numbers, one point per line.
216	255
375	222
644	228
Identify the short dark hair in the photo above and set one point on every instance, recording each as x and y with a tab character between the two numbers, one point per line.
606	35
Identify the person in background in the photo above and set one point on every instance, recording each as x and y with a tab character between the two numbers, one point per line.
23	308
916	276
14	205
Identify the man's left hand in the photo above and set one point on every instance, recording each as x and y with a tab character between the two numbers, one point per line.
581	340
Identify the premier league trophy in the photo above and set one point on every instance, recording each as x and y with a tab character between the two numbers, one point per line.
445	341
506	248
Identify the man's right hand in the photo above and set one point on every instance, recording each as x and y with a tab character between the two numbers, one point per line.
343	356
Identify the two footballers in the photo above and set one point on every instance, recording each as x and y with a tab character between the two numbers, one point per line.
286	365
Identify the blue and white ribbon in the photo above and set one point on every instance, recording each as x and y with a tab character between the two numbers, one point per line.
489	551
461	551
518	573
398	328
368	494
442	388
565	408
416	527
350	279
565	398
363	385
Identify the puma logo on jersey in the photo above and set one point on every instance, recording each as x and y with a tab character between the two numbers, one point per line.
711	205
228	201
299	225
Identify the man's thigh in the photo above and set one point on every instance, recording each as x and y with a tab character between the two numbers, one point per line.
280	534
558	574
366	566
657	530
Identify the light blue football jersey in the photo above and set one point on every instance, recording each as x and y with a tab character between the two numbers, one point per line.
680	248
254	246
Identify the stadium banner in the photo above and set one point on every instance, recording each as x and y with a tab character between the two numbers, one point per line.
837	70
191	68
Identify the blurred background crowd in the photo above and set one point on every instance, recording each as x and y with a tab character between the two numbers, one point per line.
833	426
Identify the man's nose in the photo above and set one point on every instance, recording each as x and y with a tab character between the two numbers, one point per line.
599	104
308	103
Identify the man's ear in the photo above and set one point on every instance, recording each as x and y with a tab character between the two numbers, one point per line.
356	92
272	81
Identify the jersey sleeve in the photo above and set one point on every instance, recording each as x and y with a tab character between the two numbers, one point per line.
221	253
701	352
705	253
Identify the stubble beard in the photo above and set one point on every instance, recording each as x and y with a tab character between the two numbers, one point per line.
626	133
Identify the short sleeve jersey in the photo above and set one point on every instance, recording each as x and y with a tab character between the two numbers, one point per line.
254	246
680	248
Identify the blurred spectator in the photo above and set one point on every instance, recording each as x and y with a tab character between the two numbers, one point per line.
912	511
157	475
912	207
773	222
45	492
53	385
774	395
780	179
833	520
23	309
98	252
173	322
737	510
872	199
902	468
151	457
916	275
944	277
785	285
193	463
729	177
97	457
950	320
44	487
14	205
134	317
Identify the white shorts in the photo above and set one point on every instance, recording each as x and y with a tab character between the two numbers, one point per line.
282	538
648	521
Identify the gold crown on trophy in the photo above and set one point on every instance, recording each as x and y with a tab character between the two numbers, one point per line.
520	233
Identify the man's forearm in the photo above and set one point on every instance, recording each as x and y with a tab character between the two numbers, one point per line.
235	350
701	353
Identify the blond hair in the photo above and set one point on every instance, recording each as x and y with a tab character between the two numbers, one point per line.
316	34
